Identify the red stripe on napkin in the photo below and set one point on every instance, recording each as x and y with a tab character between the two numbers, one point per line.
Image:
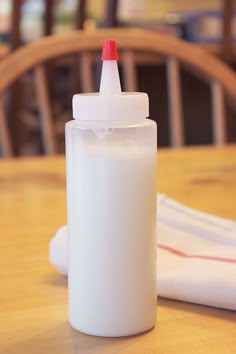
185	255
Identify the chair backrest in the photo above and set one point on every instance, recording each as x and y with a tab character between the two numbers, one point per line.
34	56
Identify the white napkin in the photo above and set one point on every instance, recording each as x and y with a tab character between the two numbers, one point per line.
196	259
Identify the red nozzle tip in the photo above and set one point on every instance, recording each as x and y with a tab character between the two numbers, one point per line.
109	50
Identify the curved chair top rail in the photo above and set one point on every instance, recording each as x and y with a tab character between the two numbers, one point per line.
54	46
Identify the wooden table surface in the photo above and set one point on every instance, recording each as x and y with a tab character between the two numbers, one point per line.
33	296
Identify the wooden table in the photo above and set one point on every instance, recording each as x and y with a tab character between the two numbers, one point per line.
33	296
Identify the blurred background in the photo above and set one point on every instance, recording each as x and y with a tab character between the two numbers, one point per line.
175	17
207	23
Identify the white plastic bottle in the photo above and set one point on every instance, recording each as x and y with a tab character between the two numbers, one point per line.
111	191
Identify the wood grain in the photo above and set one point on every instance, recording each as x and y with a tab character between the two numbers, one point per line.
33	296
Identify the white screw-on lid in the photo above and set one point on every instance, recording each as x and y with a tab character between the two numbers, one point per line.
110	103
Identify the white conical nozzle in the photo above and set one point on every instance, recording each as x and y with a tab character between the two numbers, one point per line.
110	103
110	80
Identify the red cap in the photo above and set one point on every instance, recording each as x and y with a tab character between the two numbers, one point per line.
109	51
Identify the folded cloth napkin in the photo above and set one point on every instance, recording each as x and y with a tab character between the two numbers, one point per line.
196	258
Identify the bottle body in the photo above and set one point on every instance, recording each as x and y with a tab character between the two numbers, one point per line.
111	196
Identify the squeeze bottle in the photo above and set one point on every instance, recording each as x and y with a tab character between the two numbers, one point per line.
111	197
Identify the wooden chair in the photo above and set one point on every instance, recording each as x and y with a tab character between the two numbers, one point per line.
130	41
